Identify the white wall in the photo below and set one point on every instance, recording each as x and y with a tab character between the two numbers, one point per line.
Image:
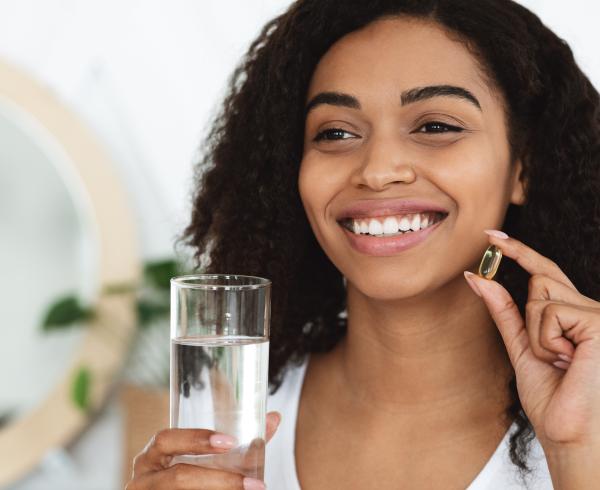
576	21
146	74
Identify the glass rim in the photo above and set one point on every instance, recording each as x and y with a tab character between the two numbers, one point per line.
182	282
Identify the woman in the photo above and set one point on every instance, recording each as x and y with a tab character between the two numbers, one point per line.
362	152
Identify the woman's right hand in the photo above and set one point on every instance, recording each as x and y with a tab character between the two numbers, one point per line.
151	468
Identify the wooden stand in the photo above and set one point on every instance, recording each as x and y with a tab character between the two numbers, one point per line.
146	411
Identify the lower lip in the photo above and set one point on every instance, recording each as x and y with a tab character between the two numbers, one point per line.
384	246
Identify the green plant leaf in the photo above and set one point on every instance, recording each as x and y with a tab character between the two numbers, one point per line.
5	417
148	311
80	388
159	273
65	312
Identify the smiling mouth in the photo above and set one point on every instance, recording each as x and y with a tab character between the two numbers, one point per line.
389	226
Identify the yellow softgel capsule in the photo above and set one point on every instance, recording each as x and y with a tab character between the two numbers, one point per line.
490	262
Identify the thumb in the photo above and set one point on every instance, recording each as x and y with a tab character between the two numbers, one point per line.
273	420
505	314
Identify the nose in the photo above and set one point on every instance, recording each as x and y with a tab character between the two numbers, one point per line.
386	162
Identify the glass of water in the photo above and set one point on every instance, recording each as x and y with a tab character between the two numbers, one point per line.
219	365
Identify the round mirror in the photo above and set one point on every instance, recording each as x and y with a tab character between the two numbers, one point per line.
66	229
46	250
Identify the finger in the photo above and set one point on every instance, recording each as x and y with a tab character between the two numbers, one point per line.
507	317
546	344
532	261
544	290
170	442
543	287
541	290
273	421
564	326
533	324
189	477
253	459
562	364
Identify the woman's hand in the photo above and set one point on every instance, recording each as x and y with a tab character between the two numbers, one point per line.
555	352
151	468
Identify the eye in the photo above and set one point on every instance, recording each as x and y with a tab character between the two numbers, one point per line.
332	134
439	127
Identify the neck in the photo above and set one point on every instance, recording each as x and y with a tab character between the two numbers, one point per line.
441	353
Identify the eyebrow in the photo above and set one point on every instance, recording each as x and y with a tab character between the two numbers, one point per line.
407	97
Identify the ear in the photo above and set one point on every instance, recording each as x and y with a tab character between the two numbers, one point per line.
517	195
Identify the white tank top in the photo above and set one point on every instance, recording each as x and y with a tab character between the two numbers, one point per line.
499	473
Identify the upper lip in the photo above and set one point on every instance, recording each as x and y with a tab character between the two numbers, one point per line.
369	208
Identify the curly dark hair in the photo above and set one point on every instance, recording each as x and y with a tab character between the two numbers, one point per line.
247	214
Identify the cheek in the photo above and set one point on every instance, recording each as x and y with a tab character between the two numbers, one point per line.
477	179
318	183
307	190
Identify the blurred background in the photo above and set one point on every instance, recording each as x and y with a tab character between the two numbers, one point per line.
103	106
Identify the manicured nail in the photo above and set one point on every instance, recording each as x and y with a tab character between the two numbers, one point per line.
252	484
564	357
222	441
472	283
496	233
562	365
277	416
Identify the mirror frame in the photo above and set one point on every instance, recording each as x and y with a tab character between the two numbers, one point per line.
56	421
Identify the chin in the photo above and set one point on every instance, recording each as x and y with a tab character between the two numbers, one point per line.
386	286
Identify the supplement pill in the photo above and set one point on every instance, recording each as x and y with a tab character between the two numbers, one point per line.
490	262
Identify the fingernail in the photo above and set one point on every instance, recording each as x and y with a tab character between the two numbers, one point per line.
222	441
562	365
564	357
471	282
496	233
252	484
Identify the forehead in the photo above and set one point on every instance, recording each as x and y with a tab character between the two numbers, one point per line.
389	56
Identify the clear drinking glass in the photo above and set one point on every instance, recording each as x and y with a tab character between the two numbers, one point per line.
219	364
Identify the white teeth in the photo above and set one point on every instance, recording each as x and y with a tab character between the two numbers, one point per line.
375	227
404	224
390	225
416	223
393	225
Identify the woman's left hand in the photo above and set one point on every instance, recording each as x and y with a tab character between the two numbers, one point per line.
562	400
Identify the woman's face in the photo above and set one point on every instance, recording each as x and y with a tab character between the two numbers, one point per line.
383	134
